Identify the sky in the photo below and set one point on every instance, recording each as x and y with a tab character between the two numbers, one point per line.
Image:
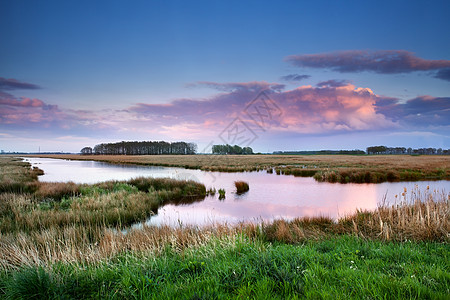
272	75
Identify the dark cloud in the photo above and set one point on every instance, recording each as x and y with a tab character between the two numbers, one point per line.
13	84
236	86
334	83
383	61
443	74
294	77
420	111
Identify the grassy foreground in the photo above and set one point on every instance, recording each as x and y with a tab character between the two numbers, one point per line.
65	241
239	267
330	168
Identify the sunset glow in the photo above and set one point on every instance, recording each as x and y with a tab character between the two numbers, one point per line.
75	74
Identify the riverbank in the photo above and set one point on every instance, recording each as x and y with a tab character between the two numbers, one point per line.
398	251
329	168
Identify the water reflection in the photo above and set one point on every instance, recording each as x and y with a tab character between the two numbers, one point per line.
270	196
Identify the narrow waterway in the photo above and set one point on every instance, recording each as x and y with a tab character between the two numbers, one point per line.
270	196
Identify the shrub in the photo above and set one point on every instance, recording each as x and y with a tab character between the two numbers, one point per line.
221	194
241	187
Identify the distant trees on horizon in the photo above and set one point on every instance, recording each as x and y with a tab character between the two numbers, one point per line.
403	150
228	149
321	152
141	148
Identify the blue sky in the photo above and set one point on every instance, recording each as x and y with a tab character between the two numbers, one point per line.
94	65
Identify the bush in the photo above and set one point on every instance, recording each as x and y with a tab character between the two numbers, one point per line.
241	187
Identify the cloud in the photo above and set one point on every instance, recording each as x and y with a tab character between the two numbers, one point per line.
443	74
13	84
421	111
383	62
294	77
334	107
334	83
24	102
331	107
235	86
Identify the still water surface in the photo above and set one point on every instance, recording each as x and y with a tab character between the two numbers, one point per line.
270	196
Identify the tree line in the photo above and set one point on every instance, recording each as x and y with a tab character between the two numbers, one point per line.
141	148
228	149
321	152
403	150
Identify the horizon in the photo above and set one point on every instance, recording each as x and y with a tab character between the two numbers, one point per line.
275	77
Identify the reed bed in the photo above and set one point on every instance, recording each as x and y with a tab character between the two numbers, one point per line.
241	187
418	216
330	168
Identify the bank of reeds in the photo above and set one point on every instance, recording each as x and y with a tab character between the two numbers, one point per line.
113	203
17	175
241	187
418	216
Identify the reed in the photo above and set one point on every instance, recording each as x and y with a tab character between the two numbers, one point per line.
241	187
418	216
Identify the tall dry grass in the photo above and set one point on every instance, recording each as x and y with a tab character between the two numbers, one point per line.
417	216
17	175
241	187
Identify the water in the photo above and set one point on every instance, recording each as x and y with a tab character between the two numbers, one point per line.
270	196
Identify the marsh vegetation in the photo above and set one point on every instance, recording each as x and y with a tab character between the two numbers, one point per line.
241	187
66	240
328	168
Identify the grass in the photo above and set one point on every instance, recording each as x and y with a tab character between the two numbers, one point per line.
65	241
113	203
221	194
17	175
237	267
330	168
241	187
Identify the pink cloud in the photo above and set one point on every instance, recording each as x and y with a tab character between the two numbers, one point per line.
24	102
332	107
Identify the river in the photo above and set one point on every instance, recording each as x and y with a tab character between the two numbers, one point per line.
270	196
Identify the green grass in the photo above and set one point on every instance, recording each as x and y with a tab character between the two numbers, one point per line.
336	268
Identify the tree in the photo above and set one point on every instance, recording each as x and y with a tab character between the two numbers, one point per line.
145	148
228	149
86	151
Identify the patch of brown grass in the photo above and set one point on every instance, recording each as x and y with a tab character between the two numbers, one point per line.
56	190
241	187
